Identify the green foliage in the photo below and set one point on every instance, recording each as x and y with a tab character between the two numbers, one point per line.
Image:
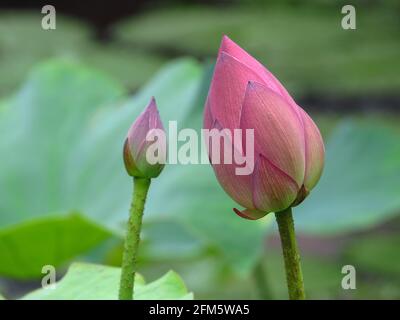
24	43
169	240
75	162
96	282
322	278
64	154
40	129
132	68
26	247
329	59
306	47
61	135
376	254
180	191
359	187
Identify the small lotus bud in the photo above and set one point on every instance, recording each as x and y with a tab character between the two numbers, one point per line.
138	141
288	148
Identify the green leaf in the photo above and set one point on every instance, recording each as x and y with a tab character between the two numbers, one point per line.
169	286
360	186
39	132
39	128
96	282
54	240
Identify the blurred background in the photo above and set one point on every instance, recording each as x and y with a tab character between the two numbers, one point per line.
68	96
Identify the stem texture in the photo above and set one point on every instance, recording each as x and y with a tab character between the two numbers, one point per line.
294	276
129	258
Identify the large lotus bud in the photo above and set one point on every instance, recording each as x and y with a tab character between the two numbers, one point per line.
288	148
142	136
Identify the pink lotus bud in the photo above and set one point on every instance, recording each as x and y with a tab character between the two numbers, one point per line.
141	136
288	147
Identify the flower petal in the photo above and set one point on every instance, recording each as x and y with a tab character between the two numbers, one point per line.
136	144
315	152
250	214
208	120
239	187
130	164
230	47
137	133
278	132
154	115
273	190
228	88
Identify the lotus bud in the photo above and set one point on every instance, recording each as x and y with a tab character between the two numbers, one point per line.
141	136
288	147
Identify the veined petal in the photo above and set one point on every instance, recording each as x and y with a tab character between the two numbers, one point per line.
315	152
137	133
154	116
228	88
230	47
136	144
278	132
239	187
273	190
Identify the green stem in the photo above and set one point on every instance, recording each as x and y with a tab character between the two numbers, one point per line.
294	276
129	262
261	281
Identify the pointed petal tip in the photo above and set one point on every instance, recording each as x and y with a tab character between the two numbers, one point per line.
153	115
258	85
152	106
228	88
250	214
226	40
228	45
228	49
254	85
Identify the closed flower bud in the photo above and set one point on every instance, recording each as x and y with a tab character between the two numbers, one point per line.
288	148
138	141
